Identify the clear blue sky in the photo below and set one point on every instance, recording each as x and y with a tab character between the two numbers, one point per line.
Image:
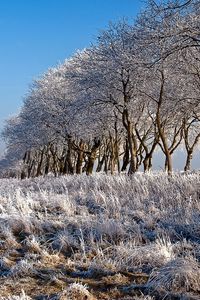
37	34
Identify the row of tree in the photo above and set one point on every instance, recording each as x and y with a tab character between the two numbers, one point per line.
112	105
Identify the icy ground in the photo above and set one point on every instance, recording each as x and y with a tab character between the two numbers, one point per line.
100	237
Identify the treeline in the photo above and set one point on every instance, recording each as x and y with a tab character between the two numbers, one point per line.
111	106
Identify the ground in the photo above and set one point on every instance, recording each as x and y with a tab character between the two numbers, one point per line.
100	237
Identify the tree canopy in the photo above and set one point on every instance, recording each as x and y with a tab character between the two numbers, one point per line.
110	106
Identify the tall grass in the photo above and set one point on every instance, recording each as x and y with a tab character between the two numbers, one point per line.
98	226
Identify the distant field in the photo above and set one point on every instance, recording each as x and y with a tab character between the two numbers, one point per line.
100	237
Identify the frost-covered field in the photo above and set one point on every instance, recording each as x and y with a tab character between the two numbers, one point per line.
100	237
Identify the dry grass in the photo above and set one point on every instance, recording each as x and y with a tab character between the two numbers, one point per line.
79	237
179	275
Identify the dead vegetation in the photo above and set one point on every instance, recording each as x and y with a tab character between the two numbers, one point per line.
100	237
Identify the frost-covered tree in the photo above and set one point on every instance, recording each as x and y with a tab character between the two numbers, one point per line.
110	106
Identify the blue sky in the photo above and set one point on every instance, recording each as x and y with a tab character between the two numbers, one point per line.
38	34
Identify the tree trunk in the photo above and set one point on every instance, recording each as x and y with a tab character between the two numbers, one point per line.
188	161
168	157
106	164
129	128
100	164
68	167
92	157
23	175
112	156
116	147
39	167
150	163
133	160
161	129
79	158
146	163
125	157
